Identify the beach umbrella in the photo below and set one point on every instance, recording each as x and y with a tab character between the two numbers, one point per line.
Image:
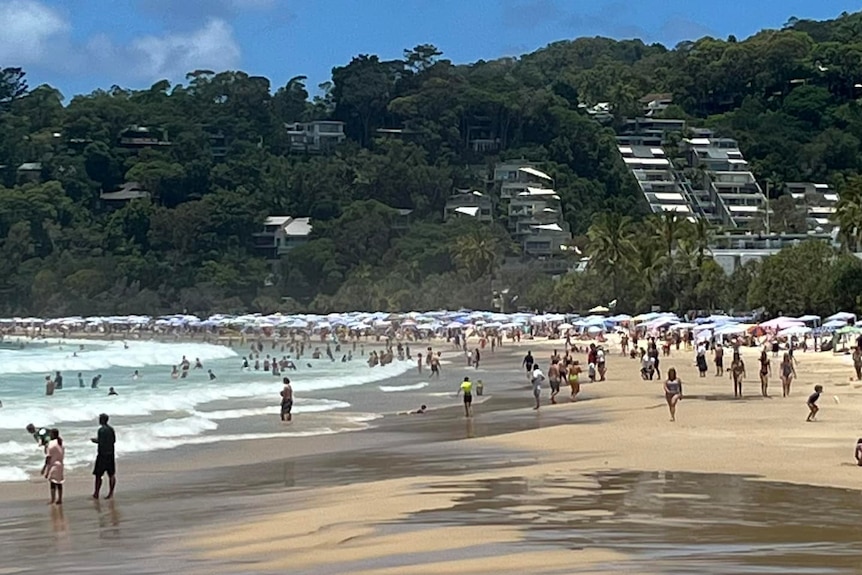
599	309
795	330
565	326
780	323
842	315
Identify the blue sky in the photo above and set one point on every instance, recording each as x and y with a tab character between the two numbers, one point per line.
81	45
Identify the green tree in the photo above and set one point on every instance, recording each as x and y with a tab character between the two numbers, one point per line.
611	246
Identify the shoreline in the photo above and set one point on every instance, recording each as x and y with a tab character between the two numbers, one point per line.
428	463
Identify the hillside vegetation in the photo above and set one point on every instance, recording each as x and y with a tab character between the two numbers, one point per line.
790	96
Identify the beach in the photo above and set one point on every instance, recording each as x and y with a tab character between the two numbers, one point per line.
603	485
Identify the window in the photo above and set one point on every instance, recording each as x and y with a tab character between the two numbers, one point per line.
329	128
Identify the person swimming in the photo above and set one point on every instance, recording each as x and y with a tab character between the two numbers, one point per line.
112	391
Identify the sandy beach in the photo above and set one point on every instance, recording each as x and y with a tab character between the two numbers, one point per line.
603	485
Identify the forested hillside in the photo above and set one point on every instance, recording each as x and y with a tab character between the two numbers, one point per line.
791	98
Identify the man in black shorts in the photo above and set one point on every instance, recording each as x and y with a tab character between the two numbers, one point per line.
528	363
286	400
105	439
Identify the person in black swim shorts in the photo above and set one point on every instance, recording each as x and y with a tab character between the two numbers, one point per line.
105	462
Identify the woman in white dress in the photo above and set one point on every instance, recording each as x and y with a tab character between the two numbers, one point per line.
55	453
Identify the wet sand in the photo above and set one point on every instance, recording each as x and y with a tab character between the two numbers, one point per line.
603	485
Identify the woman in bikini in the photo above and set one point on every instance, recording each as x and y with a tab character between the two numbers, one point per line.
574	376
788	372
672	392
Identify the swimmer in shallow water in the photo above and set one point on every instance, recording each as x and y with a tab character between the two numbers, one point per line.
112	391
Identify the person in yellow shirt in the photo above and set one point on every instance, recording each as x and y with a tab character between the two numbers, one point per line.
467	389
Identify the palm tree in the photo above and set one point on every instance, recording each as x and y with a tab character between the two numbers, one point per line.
668	226
701	234
611	247
476	252
647	261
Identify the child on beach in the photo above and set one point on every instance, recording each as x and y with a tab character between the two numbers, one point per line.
812	402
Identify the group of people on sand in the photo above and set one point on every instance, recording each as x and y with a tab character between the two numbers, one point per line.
54	467
737	373
565	369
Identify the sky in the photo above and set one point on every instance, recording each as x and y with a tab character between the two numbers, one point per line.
81	45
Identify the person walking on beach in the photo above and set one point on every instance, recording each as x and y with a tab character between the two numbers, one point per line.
737	374
765	372
54	469
536	379
812	403
574	375
857	453
554	379
466	389
672	392
105	462
286	400
788	372
528	363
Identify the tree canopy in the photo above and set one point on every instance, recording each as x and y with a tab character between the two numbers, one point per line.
218	159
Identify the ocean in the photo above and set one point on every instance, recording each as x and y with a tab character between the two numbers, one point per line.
156	412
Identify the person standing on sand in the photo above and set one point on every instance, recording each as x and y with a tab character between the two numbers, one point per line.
857	453
54	469
719	360
434	362
467	390
737	374
600	363
105	461
857	362
672	392
701	359
812	403
536	379
286	400
765	372
788	372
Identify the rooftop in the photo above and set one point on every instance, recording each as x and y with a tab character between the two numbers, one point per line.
298	227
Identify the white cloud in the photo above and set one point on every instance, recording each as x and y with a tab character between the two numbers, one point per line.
34	35
172	55
28	31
